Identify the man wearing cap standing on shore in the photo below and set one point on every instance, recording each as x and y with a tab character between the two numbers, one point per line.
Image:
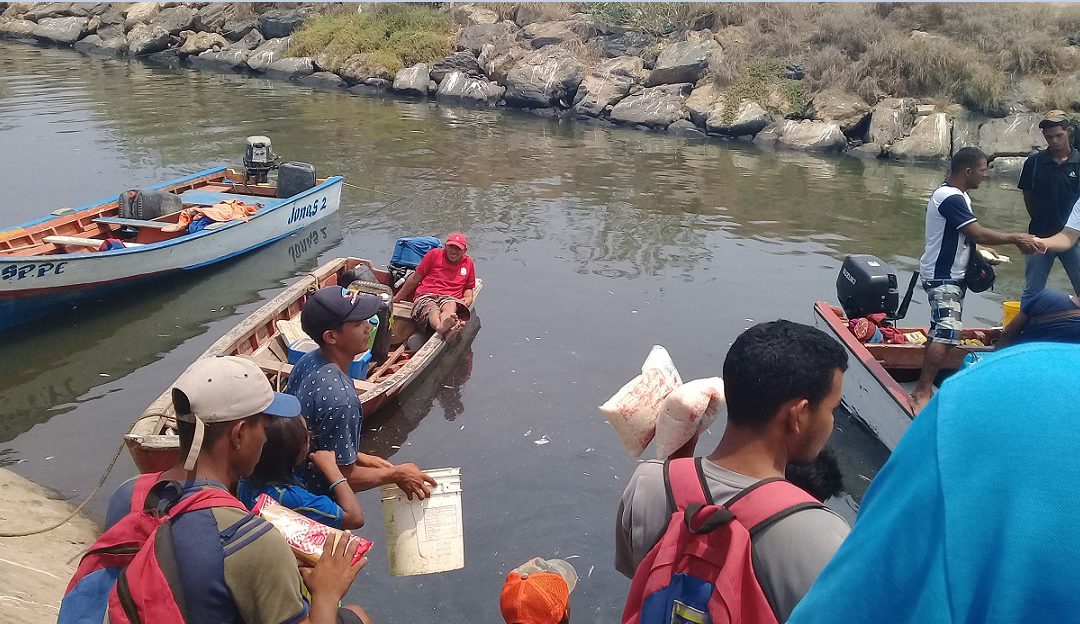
443	282
239	567
1050	181
538	592
339	321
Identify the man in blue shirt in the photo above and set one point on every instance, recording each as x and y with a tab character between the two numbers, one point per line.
1046	316
973	518
338	321
951	233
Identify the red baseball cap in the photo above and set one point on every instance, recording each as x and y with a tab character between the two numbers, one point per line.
458	240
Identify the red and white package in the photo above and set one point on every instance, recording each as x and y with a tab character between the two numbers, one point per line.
304	535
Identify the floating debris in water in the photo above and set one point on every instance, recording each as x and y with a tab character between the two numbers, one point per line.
749	320
462	428
395	447
572	557
589	575
103	374
49	457
610	293
448	387
527	433
864	478
585	473
542	441
633	311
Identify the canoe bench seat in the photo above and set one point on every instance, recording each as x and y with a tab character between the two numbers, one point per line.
275	368
209	198
78	241
142	223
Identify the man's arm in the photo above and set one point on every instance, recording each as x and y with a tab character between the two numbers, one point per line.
409	287
408	477
1012	330
467	297
1062	241
985	236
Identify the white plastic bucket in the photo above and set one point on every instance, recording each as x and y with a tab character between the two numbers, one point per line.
425	536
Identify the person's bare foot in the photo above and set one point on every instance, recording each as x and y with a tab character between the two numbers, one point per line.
454	332
919	401
446	325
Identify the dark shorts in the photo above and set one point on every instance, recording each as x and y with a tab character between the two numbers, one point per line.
424	304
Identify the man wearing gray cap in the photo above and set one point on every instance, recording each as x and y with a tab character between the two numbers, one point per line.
339	322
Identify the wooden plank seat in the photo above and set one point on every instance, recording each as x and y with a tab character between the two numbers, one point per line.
79	241
133	222
209	198
274	367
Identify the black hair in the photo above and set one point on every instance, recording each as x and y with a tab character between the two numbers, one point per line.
284	439
211	431
966	157
776	362
821	478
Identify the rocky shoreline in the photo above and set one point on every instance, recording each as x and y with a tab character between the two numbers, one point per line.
579	68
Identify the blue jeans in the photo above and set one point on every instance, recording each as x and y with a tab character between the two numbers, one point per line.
1038	267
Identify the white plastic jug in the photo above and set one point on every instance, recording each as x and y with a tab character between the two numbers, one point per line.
425	536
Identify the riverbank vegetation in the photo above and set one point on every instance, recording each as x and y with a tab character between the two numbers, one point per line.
393	36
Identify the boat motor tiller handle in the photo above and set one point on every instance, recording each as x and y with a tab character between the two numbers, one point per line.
902	311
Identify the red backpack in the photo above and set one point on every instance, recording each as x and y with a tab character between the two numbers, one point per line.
129	572
701	571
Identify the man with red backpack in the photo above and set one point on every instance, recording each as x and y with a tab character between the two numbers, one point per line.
724	538
189	551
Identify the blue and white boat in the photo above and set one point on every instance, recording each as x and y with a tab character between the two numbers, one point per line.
52	262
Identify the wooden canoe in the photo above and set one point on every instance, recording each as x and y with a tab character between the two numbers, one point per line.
880	377
51	262
152	441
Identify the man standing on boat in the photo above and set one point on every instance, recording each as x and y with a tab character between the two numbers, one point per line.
340	323
952	230
1051	184
444	282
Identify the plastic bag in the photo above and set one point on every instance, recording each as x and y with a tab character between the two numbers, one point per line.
304	535
632	411
689	409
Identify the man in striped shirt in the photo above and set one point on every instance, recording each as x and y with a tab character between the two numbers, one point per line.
951	233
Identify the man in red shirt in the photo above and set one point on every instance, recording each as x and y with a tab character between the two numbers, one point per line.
443	282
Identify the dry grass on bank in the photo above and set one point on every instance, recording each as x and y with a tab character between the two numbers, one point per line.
393	36
965	52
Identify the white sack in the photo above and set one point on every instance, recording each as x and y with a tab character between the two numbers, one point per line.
633	409
689	409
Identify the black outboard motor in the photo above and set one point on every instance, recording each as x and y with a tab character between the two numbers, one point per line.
867	285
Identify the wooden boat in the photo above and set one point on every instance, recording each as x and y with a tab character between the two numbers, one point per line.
880	377
47	263
152	441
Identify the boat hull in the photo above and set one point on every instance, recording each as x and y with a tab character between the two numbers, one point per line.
34	286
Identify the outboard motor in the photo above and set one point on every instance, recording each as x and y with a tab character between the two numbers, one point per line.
259	159
867	285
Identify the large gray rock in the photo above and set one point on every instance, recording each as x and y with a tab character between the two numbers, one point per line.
844	108
544	78
890	119
66	30
965	129
175	20
749	119
169	58
463	62
17	28
323	80
930	139
281	23
360	68
472	15
476	37
607	84
197	43
655	107
706	100
543	34
271	50
41	10
685	61
211	17
112	17
685	128
529	13
236	26
231	59
458	86
94	45
1015	135
496	60
146	39
110	31
819	136
413	80
290	67
626	44
251	41
140	13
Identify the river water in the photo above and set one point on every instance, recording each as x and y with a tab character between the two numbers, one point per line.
594	245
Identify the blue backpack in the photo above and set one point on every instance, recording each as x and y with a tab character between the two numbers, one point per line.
410	250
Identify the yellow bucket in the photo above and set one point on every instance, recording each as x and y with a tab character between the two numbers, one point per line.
1008	311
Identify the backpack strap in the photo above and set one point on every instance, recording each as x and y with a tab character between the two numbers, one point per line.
684	481
205	498
142	488
768	501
